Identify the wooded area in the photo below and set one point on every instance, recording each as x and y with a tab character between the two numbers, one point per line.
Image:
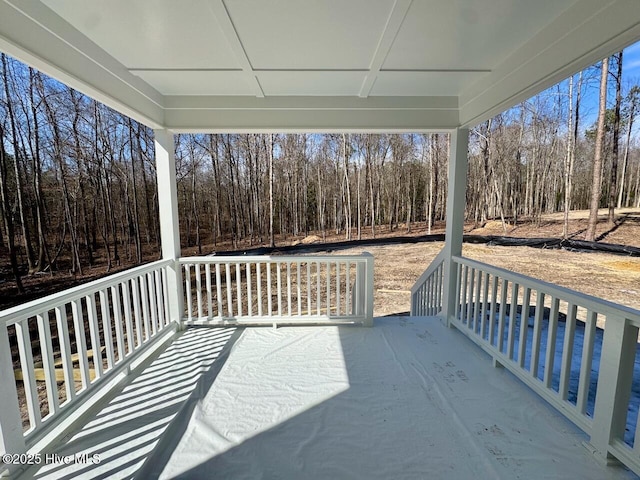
78	184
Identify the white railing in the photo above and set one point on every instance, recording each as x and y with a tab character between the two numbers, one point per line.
221	290
56	352
427	292
548	337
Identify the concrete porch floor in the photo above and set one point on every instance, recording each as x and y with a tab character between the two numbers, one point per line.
408	398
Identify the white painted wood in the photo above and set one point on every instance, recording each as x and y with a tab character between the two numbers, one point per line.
492	309
524	326
289	289
269	291
169	225
239	289
187	289
456	199
585	362
308	288
153	301
11	438
46	349
94	333
219	290
207	271
28	374
199	290
513	307
299	288
117	318
537	332
81	343
552	336
279	287
137	314
159	305
485	303
614	384
503	312
227	268
65	352
259	287
106	327
567	351
249	297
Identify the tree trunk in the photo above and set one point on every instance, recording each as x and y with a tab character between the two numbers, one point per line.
590	234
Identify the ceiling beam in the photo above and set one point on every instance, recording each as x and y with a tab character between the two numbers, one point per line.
214	114
222	17
389	33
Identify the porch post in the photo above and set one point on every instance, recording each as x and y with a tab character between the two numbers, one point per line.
169	226
456	200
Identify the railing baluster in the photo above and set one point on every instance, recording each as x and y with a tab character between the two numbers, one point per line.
279	283
289	289
337	288
219	291
309	288
207	272
318	300
567	351
584	383
117	320
28	374
106	327
477	301
46	350
458	308
249	299
552	335
94	333
524	326
65	352
470	304
269	299
239	288
537	332
135	290
328	289
159	300
81	343
165	292
299	283
492	310
503	313
259	286
513	311
151	289
347	301
229	290
485	301
187	289
198	290
126	303
464	287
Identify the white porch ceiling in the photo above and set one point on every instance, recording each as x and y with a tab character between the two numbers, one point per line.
250	65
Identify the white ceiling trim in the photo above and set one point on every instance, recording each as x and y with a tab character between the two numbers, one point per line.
40	38
551	56
391	29
222	17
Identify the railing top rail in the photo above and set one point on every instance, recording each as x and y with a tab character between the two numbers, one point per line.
34	307
580	299
274	258
435	263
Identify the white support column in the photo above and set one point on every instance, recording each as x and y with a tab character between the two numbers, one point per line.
11	438
614	386
456	200
169	226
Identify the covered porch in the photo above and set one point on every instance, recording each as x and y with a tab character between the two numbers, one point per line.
173	339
